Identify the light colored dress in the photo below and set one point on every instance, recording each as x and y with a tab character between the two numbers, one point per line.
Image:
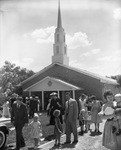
36	131
58	127
95	118
6	112
110	140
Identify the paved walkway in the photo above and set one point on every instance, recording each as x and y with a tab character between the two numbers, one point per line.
89	141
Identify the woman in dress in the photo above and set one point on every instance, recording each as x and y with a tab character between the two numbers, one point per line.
110	140
6	110
96	108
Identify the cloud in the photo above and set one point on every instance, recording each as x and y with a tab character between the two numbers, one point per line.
46	35
106	58
79	39
25	62
90	53
117	14
95	51
76	64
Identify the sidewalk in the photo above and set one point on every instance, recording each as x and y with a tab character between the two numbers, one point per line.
86	142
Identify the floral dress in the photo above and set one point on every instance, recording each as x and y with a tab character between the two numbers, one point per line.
36	131
110	139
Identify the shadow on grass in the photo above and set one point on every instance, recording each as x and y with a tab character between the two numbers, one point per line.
32	148
95	133
63	146
49	138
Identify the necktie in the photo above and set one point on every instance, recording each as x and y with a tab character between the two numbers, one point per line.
18	105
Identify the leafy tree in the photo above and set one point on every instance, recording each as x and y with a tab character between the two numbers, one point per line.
10	76
117	78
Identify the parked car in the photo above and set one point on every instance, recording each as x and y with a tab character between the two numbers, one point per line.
3	134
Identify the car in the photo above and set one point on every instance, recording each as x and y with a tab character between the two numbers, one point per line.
4	131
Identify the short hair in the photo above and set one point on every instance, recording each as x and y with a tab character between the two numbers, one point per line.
68	93
83	95
56	113
93	97
107	93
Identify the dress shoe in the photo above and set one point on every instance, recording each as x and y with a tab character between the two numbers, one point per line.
74	142
67	142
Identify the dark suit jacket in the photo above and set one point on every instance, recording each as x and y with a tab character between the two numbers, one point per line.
19	115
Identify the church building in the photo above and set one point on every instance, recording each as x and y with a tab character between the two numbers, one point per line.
60	77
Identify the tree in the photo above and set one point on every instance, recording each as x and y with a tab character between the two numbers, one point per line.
117	78
10	76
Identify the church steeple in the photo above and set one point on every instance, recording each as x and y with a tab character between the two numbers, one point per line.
59	46
59	24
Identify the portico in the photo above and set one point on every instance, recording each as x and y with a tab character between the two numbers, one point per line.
49	84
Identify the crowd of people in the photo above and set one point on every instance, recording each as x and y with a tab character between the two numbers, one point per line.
88	110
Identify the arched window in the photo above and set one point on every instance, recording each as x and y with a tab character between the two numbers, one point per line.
57	49
57	37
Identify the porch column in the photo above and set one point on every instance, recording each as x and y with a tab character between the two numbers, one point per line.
42	100
58	94
73	94
29	93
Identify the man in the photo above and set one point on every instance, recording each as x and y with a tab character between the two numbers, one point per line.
19	118
70	118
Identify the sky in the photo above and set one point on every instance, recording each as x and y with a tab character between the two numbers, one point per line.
92	28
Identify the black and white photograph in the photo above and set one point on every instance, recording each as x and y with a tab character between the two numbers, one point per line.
60	74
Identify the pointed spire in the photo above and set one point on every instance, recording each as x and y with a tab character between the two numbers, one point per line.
59	24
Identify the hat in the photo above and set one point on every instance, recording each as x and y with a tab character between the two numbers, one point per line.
118	95
56	113
36	97
53	93
36	115
20	98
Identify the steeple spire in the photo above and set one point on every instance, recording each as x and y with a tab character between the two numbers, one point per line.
59	23
59	46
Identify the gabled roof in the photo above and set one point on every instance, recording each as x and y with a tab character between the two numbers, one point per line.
51	84
87	73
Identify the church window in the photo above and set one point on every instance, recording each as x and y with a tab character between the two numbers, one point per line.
57	37
57	49
65	50
64	38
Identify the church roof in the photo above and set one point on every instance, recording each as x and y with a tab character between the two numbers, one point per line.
84	72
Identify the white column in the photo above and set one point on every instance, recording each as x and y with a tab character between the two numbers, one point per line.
73	94
58	94
42	100
29	93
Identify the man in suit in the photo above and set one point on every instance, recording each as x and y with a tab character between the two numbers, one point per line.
70	118
19	118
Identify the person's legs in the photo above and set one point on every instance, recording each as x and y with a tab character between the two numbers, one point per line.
74	130
68	131
81	123
19	137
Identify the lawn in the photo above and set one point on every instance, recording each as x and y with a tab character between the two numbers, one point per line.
46	130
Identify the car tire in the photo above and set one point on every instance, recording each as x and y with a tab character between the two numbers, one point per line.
2	139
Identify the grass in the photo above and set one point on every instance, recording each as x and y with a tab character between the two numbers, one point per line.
47	132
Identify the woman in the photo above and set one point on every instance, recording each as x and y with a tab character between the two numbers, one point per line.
110	139
96	108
